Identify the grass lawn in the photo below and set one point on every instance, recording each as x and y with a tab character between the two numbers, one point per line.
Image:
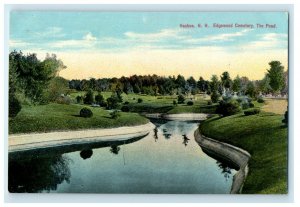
265	138
277	106
161	104
54	117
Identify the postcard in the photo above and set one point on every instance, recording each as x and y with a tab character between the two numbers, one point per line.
148	102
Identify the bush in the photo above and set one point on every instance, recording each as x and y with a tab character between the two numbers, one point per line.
78	99
209	103
286	118
214	97
89	97
174	103
190	103
86	113
140	100
228	108
180	99
251	112
126	103
14	106
99	99
125	108
239	100
251	105
112	102
260	100
115	114
245	105
64	100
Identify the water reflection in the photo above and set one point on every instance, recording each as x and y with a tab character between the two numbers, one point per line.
226	170
35	174
85	154
115	149
155	134
185	140
44	169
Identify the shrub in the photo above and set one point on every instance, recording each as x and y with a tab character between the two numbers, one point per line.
64	100
209	103
126	103
228	108
214	97
78	99
190	103
140	100
251	105
239	100
89	97
115	114
112	102
251	112
260	100
125	108
99	98
103	104
286	118
86	113
14	106
180	99
245	105
174	103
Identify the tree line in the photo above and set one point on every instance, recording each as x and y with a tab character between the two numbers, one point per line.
274	82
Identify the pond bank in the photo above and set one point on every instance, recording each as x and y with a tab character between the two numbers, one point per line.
230	153
30	141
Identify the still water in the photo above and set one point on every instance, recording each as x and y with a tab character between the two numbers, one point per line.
167	160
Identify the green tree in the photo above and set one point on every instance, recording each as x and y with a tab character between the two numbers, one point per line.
99	99
276	75
57	87
251	90
225	80
237	84
214	83
89	97
112	101
33	75
180	99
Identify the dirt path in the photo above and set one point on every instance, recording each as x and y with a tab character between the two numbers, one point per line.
277	106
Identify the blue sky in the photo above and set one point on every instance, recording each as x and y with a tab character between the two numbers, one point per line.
119	33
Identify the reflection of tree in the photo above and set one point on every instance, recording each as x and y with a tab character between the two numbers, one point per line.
226	170
155	134
85	154
115	149
185	140
36	174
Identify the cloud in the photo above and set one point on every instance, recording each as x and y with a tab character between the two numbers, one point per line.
218	37
87	41
155	37
51	32
89	37
269	41
18	43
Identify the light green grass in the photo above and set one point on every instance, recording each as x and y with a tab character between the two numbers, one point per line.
265	138
161	104
53	117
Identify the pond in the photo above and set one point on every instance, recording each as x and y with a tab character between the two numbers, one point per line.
167	160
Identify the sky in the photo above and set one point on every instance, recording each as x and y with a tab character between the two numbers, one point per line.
115	44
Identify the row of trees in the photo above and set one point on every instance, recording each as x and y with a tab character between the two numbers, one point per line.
273	82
